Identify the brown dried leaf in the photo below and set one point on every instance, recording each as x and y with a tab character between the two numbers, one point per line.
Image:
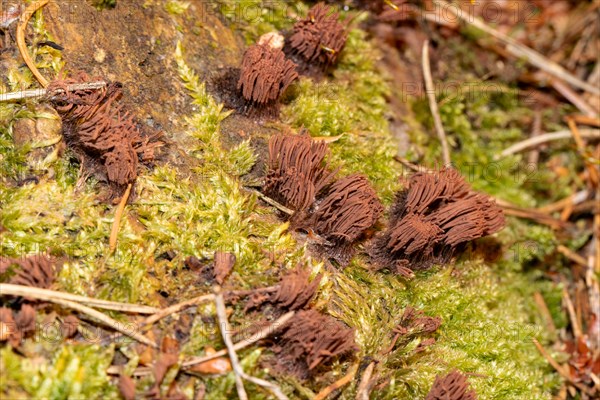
70	324
223	265
583	360
127	387
217	366
146	353
168	357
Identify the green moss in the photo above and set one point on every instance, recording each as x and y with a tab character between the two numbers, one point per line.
486	330
257	17
488	313
76	371
176	7
104	4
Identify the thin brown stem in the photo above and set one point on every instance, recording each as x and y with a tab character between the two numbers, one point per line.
364	387
343	381
272	202
114	233
572	316
430	89
38	93
545	138
20	38
225	333
7	289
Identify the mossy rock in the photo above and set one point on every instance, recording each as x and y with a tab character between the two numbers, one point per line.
194	202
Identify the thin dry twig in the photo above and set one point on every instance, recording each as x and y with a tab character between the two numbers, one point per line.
536	130
573	97
165	312
574	199
593	174
270	201
592	270
551	360
572	316
430	89
225	329
519	50
559	368
237	368
585	120
337	384
20	38
175	309
26	291
547	137
26	94
266	384
541	303
362	393
112	241
7	289
413	167
571	255
263	333
532	214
